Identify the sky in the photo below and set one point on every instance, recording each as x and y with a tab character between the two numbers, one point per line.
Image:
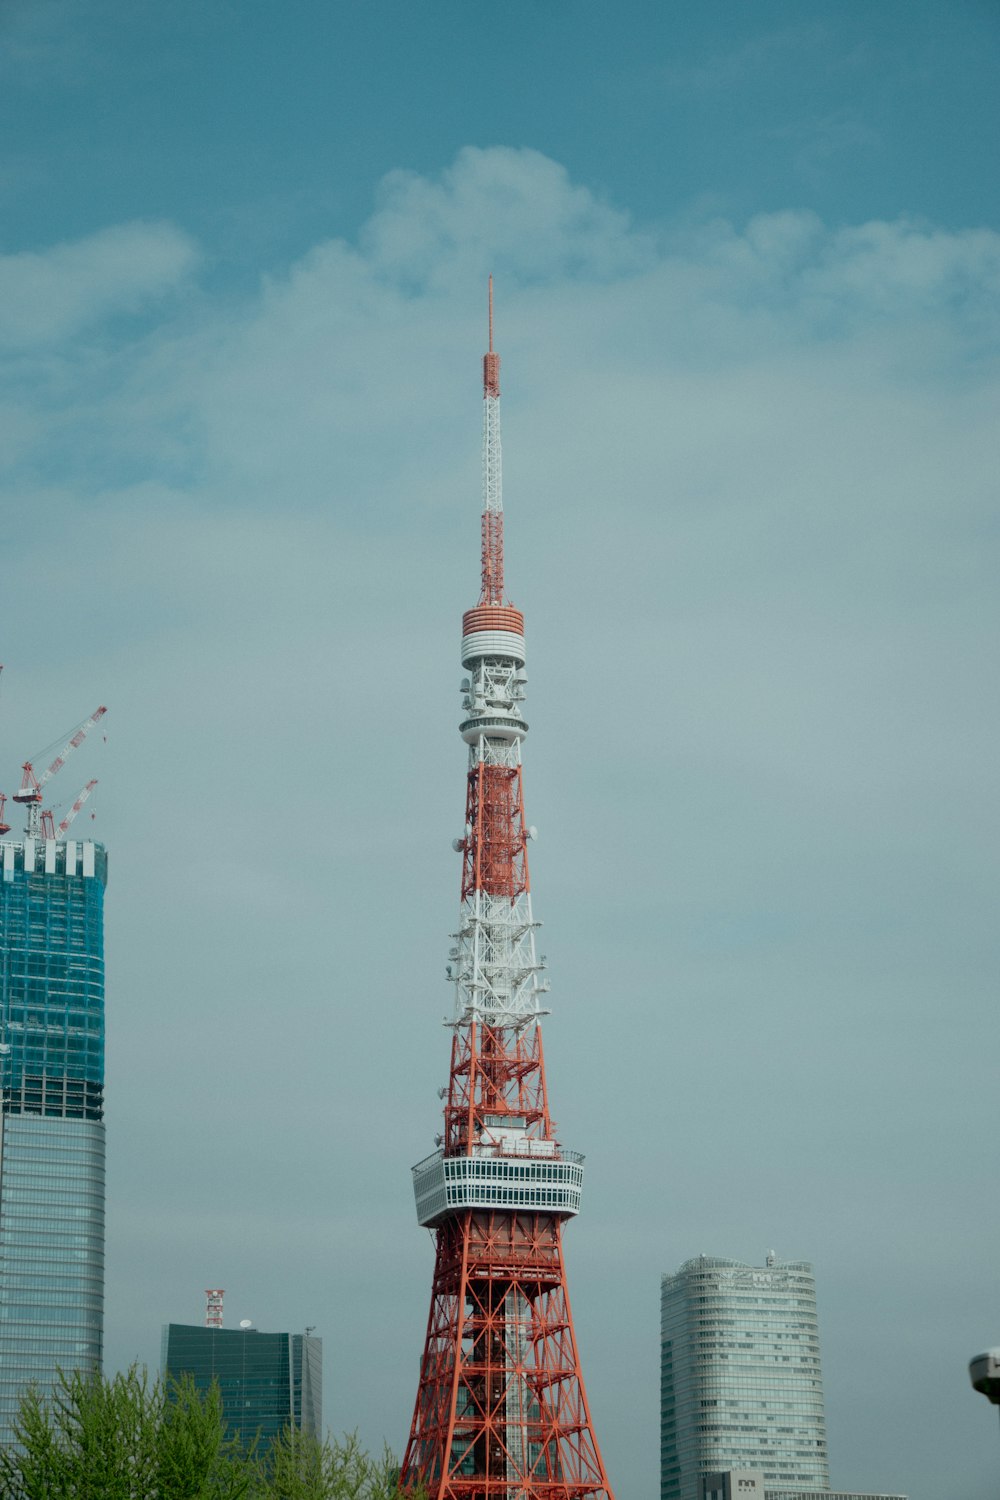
747	265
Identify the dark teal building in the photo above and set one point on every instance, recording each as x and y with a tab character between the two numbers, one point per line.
268	1381
52	1121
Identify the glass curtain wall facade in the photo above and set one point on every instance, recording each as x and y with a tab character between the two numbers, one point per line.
52	1122
740	1382
830	1495
267	1381
745	1485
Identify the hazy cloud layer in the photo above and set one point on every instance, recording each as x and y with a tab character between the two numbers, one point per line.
750	482
66	290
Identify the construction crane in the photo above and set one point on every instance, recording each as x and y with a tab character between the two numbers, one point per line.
4	825
30	791
60	832
81	799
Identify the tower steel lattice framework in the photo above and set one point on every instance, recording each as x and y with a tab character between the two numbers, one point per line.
501	1411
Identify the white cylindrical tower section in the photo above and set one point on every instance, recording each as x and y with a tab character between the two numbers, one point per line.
508	728
493	651
492	630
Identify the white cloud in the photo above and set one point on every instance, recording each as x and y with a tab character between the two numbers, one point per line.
53	294
811	280
903	267
516	208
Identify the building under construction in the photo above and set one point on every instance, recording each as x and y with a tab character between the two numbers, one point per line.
52	1073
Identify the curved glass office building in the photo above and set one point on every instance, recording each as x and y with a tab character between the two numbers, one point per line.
52	1127
740	1376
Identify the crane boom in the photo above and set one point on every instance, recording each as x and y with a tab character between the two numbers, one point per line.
67	820
30	790
76	738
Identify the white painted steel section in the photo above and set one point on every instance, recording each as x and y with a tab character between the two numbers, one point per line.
517	1333
29	854
492	698
495	691
492	463
70	856
8	861
88	858
507	730
50	856
494	966
480	643
444	1185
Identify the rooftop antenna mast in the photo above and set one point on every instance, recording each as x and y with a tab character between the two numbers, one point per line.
213	1306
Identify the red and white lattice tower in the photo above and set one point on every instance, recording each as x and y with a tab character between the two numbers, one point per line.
213	1306
501	1412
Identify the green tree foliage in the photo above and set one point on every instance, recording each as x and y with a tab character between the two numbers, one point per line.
300	1466
126	1438
119	1439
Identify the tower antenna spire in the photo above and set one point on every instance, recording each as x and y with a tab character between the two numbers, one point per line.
492	542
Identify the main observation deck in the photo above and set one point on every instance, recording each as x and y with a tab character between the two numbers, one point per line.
531	1178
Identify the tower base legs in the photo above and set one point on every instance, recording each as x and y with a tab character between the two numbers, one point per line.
501	1411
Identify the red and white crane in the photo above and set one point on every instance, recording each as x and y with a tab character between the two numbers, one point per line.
30	791
47	818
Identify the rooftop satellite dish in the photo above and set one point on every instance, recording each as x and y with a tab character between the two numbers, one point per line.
246	1322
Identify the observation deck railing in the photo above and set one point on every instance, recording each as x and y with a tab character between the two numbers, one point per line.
516	1176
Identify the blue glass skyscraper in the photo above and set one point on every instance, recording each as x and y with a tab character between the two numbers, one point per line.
52	1126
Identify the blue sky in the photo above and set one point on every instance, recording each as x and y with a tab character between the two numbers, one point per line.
747	266
261	132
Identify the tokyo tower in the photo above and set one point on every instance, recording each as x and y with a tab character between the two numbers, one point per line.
501	1411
